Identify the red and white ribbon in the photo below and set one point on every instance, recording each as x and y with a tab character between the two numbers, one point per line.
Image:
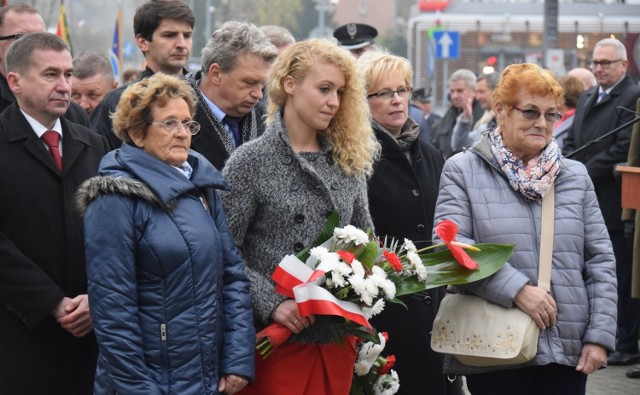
296	280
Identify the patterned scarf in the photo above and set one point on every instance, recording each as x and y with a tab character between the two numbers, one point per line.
532	182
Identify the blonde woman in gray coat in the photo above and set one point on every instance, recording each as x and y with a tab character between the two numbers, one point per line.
313	158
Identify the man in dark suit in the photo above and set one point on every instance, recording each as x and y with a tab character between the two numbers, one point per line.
163	30
596	114
46	340
229	89
15	21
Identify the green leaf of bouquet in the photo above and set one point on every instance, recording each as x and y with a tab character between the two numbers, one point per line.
333	221
443	269
368	254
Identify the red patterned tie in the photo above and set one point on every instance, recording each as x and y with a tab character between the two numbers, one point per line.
52	139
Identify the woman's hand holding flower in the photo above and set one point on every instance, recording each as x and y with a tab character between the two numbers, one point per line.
536	302
287	314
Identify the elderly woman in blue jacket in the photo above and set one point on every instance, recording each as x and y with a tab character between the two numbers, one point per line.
169	297
493	192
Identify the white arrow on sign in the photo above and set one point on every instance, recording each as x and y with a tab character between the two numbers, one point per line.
445	43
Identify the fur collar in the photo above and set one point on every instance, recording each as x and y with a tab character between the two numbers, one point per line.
104	185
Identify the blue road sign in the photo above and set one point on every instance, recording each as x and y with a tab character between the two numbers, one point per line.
447	44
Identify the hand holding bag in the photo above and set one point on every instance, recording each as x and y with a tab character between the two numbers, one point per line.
481	333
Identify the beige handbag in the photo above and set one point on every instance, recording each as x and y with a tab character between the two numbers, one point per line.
481	333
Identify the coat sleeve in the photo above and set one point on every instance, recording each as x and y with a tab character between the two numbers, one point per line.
110	246
240	205
238	348
460	136
599	274
25	289
455	203
361	216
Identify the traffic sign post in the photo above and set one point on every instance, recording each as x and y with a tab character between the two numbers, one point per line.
447	44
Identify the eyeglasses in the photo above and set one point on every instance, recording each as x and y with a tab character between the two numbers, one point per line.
388	93
532	115
173	126
605	64
12	36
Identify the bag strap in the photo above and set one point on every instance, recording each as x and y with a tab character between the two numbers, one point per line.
546	240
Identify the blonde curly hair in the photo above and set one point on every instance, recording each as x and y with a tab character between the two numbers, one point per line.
134	108
355	147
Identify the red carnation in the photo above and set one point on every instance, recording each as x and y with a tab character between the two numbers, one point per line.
393	259
391	360
346	256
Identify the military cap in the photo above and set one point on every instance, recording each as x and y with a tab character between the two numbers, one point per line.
422	95
355	35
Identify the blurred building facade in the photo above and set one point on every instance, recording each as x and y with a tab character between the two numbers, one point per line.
496	33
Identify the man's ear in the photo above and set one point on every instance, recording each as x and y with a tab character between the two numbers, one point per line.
13	79
215	74
142	43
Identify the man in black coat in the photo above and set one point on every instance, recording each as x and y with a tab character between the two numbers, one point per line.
234	71
16	20
597	114
163	30
46	340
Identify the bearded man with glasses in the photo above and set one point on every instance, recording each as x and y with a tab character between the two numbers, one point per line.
597	114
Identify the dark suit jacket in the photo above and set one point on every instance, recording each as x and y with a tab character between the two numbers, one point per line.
42	258
592	121
75	113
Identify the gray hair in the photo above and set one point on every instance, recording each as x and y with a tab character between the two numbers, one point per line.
19	55
463	75
234	38
278	35
88	64
614	42
491	78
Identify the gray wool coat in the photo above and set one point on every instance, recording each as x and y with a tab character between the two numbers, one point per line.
475	194
278	204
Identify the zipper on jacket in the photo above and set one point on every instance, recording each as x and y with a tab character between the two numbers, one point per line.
164	354
163	332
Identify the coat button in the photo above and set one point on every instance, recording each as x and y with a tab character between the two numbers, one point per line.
287	160
427	299
330	159
421	228
335	185
415	192
294	187
297	247
299	218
